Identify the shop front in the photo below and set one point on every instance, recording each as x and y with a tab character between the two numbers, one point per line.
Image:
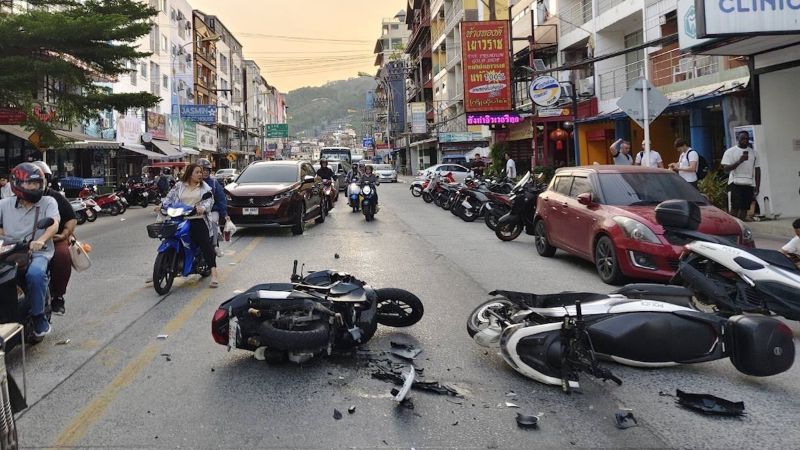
15	147
454	146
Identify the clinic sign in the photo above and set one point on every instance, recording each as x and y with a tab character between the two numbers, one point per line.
717	18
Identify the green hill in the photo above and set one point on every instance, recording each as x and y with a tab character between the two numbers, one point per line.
311	109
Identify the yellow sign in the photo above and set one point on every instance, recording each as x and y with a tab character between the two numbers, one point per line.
231	157
522	130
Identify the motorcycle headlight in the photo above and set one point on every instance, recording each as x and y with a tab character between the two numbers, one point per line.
636	230
367	190
747	232
174	212
145	194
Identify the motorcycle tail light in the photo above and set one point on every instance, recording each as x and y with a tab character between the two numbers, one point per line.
219	327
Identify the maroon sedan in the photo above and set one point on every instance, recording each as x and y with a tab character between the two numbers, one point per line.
606	214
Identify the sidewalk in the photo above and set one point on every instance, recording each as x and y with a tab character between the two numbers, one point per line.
778	229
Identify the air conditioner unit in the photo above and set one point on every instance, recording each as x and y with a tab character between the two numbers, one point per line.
586	86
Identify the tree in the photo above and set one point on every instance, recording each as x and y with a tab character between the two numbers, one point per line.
58	51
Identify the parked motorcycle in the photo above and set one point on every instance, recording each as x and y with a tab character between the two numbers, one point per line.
353	194
81	211
497	206
12	283
92	208
108	203
369	201
553	338
135	194
523	207
153	193
313	315
177	254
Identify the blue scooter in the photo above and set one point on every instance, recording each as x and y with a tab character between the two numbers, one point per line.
177	254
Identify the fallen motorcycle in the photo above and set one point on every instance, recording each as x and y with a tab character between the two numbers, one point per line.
553	338
312	315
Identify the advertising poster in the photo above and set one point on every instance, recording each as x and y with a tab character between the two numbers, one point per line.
487	72
157	125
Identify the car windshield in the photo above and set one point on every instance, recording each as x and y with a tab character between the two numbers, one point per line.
269	173
382	167
640	189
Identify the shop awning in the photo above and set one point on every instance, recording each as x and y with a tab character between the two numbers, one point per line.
140	149
173	151
190	151
84	141
423	142
17	131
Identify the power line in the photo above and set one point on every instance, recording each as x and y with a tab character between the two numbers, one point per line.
303	38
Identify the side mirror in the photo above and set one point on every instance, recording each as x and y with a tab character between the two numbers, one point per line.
207	195
308	179
47	222
585	199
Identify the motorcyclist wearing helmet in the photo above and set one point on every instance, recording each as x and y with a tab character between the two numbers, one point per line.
165	181
369	177
219	212
18	218
325	172
61	264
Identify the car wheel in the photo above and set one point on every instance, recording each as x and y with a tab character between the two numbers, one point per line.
543	247
606	261
300	226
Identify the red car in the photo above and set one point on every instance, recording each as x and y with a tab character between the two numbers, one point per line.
606	215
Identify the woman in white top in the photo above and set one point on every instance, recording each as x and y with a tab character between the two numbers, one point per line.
686	166
189	191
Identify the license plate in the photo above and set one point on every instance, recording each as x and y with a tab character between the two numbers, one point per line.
250	211
97	208
233	332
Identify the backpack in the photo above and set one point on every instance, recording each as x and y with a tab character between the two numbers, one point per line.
702	166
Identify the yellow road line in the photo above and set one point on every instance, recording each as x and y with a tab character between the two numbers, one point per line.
91	413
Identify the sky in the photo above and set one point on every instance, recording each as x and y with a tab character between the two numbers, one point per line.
291	40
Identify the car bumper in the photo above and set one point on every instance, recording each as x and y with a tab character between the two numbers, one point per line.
275	216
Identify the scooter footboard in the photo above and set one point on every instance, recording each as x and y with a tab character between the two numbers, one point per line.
760	346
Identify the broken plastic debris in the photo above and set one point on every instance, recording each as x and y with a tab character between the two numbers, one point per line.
336	255
259	354
709	404
406	351
238	291
122	220
409	381
64	342
511	405
624	419
511	394
167	356
527	420
162	336
337	414
351	410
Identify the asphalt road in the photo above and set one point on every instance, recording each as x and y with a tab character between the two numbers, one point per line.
115	384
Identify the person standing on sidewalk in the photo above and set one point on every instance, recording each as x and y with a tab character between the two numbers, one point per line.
621	152
741	164
687	163
653	161
511	167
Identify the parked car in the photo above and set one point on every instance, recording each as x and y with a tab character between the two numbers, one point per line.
606	215
459	172
340	168
226	176
386	173
276	194
454	159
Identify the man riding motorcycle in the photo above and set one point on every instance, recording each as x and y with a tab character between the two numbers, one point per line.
18	218
61	264
325	172
370	178
219	212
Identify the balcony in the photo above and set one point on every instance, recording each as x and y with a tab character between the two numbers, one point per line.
453	55
576	15
453	15
671	67
605	5
615	82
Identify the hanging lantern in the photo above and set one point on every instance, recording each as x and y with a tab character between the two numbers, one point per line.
559	145
559	135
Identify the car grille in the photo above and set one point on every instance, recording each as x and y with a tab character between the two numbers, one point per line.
244	202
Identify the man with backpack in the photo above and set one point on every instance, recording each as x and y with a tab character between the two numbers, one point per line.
688	162
165	181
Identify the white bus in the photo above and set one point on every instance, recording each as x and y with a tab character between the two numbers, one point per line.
336	154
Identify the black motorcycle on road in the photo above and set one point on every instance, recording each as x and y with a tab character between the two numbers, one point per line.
523	207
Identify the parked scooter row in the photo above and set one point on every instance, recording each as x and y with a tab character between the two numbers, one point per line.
89	204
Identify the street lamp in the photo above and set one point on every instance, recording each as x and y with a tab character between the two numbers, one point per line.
213	38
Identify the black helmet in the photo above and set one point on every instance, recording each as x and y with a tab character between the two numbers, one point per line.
48	174
166	171
28	172
204	164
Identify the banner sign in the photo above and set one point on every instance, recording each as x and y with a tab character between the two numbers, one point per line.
545	91
493	119
419	123
189	132
197	113
277	130
206	138
157	125
461	136
737	17
129	130
11	116
487	72
367	142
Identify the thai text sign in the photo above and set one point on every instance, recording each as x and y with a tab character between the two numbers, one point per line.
736	17
277	130
493	119
487	74
419	123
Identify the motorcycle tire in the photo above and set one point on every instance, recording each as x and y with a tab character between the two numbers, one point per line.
491	221
322	213
122	207
509	231
426	197
144	202
156	199
91	215
448	205
398	307
113	209
467	215
163	274
416	191
314	337
437	200
348	342
81	217
478	318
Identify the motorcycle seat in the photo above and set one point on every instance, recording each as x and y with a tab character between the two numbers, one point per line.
567	298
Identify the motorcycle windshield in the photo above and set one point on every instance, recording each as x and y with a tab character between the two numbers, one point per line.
523	181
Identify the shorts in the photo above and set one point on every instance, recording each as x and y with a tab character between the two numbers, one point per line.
741	196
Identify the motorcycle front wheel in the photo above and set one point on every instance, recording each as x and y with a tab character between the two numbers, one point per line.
144	202
81	217
91	215
416	191
426	196
398	307
508	231
481	317
163	272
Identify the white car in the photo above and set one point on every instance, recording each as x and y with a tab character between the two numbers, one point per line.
459	172
385	172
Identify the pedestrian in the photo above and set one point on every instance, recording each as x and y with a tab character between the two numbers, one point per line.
653	161
477	166
511	167
5	188
741	164
792	248
621	152
687	163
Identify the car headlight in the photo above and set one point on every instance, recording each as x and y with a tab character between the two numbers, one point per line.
282	196
636	230
228	197
747	232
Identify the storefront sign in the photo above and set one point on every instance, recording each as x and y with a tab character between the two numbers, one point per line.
552	112
487	73
157	125
522	130
461	136
189	132
545	91
206	138
11	116
687	26
277	130
129	130
493	119
736	17
197	113
419	123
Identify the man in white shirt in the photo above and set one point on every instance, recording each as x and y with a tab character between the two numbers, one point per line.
621	152
687	163
511	167
792	248
653	161
744	179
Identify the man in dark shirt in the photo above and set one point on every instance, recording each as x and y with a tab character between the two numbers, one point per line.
61	264
325	172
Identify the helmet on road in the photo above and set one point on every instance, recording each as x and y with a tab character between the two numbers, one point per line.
48	174
28	173
204	164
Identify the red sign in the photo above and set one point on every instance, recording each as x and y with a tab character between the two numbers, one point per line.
487	71
11	116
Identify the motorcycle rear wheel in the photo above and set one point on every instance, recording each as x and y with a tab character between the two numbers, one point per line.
122	207
91	215
81	217
163	274
313	337
467	215
398	307
426	196
508	231
144	202
113	209
491	220
416	191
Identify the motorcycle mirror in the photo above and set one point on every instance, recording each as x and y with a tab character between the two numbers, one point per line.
47	222
308	179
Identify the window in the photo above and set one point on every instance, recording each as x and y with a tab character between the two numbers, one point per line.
223	62
165	81
634	61
154	71
562	184
395	27
133	74
164	42
163	5
580	185
632	189
143	69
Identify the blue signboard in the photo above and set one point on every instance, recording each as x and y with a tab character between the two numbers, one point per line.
197	113
368	142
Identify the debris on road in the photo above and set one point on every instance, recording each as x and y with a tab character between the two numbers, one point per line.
406	351
527	420
511	405
162	336
64	342
624	419
709	404
511	394
430	386
351	410
167	356
337	414
336	255
408	381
